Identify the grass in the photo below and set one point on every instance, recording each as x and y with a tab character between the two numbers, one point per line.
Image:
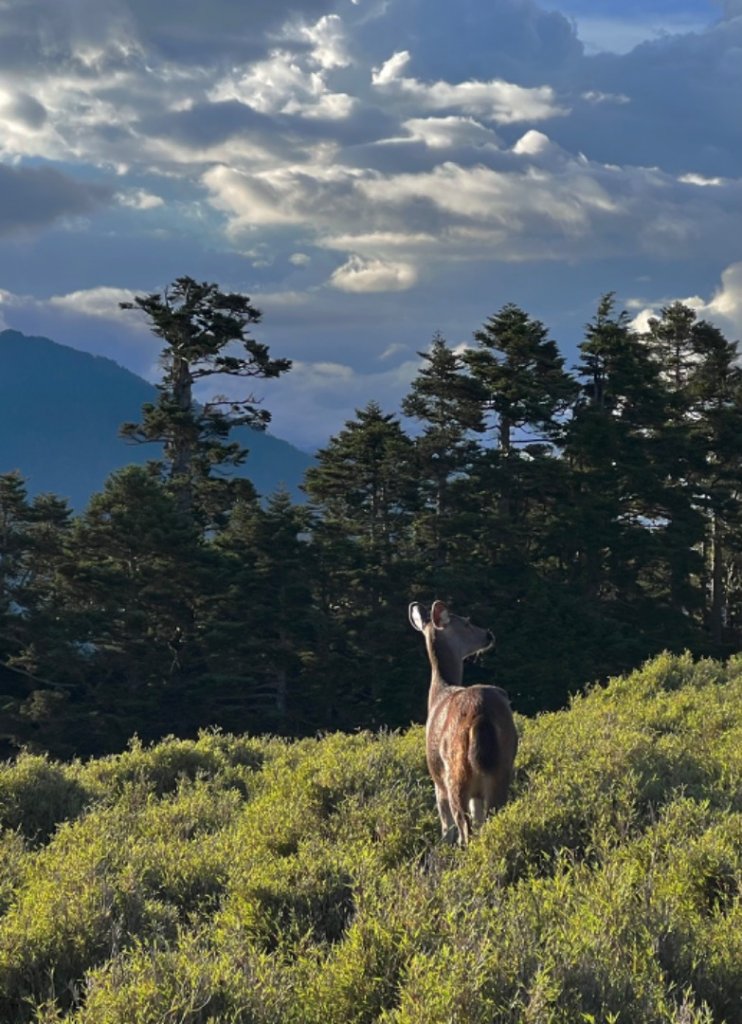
235	879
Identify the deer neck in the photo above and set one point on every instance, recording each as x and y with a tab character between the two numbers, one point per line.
447	668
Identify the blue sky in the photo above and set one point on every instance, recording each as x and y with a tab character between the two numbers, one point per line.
368	171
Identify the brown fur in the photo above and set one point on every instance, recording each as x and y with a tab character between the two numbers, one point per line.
471	739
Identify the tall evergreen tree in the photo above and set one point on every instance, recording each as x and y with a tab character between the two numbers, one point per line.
627	517
522	374
259	631
447	401
703	376
205	331
362	480
363	491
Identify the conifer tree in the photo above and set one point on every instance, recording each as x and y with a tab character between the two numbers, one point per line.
616	451
703	376
522	374
447	401
259	628
362	480
205	334
362	489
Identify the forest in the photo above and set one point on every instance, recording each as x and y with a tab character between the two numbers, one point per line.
589	515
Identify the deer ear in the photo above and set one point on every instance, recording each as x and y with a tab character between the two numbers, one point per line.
439	615
418	616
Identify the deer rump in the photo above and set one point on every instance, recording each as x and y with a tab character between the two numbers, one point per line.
468	754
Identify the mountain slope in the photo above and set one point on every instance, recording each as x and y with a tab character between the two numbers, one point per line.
60	412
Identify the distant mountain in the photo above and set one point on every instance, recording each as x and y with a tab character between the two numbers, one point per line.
60	412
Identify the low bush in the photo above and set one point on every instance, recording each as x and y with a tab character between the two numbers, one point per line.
259	881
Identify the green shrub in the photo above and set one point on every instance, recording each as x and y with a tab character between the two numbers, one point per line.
37	794
258	881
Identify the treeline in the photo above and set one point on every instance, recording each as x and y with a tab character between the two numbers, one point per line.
591	516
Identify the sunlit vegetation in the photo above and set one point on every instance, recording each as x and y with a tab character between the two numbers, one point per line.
258	880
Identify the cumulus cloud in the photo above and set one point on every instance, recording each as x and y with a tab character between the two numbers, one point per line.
448	132
726	303
534	200
500	101
373	275
281	85
724	308
291	136
102	302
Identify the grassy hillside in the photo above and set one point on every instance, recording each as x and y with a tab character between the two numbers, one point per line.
255	880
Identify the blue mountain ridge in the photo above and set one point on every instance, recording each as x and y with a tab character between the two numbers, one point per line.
61	410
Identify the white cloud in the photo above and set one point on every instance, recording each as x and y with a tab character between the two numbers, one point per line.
390	70
373	275
259	140
280	85
329	47
284	195
140	199
724	308
500	101
379	241
447	132
532	143
596	96
290	299
699	179
393	350
102	302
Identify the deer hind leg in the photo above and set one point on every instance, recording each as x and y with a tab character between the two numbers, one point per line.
458	802
444	812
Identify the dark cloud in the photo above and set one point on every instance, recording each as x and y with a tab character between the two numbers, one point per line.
209	124
683	110
512	39
27	110
32	197
189	32
197	30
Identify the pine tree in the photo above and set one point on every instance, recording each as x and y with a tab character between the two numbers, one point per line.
447	401
363	492
260	625
701	370
361	482
628	518
205	331
522	374
130	591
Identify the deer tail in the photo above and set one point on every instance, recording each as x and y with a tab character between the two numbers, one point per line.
483	745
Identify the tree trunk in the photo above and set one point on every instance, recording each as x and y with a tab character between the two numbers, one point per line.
181	471
718	596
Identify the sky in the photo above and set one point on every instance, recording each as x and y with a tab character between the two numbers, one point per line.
369	172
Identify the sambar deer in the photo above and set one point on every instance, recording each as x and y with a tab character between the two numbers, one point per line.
471	740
